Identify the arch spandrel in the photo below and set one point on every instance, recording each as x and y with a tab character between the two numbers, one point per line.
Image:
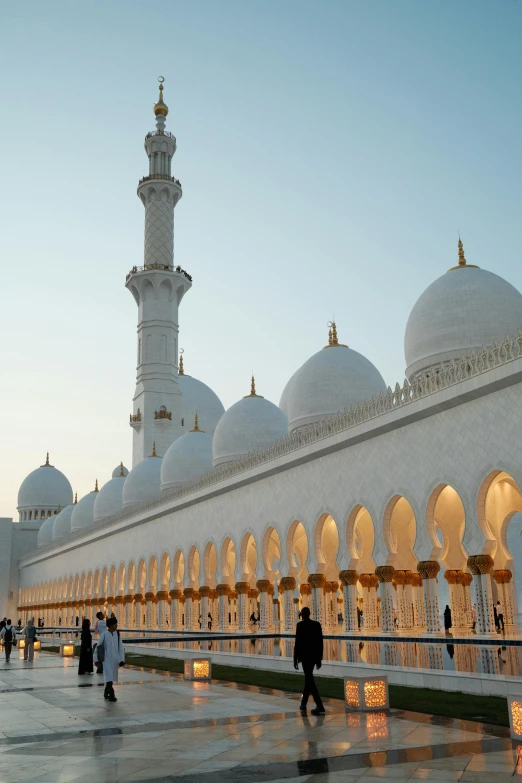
271	554
360	540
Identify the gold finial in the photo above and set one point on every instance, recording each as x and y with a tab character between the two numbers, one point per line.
462	257
333	342
47	459
253	392
181	370
58	509
75	497
196	424
161	107
121	469
463	264
96	486
154	450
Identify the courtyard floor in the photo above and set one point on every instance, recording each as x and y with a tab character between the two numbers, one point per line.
56	727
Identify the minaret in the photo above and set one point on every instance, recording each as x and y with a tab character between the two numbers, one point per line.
158	287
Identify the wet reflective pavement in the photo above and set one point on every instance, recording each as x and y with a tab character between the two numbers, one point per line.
163	728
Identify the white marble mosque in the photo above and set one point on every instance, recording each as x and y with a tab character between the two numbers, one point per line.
346	495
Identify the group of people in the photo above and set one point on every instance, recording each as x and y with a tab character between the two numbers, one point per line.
8	636
498	614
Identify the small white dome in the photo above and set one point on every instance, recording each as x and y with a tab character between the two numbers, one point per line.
45	534
44	488
109	501
331	380
458	313
82	515
143	482
62	523
188	457
250	424
199	398
119	471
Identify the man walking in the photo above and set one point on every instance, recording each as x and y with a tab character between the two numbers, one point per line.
8	635
308	650
110	647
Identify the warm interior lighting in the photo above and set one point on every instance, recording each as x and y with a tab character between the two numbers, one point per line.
197	669
202	669
366	693
67	650
37	644
21	643
352	693
515	717
375	693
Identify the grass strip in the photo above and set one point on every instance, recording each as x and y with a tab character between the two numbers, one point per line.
450	704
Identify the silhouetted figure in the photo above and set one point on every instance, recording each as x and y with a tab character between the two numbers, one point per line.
500	615
85	665
447	619
308	650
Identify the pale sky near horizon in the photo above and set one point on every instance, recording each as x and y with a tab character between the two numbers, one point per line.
330	152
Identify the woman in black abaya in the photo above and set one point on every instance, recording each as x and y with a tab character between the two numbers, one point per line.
85	665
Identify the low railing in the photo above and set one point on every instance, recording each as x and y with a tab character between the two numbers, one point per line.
163	415
135	417
160	133
160	176
163	267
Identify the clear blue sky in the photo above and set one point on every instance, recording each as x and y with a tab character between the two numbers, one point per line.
329	154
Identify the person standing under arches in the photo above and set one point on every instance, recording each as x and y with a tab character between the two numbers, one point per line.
308	650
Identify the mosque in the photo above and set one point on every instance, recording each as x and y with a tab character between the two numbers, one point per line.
347	495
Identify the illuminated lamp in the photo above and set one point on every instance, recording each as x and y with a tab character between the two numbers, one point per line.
21	643
37	644
67	649
197	669
515	716
364	694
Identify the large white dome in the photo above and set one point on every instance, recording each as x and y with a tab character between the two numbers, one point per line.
45	534
250	424
143	482
188	457
331	380
119	471
199	398
82	515
62	523
109	500
460	312
45	488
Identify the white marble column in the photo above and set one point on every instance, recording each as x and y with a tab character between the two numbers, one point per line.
286	588
242	590
223	602
465	581
175	609
129	610
428	569
204	592
404	600
162	607
349	581
188	593
317	583
138	619
385	575
456	596
503	579
481	567
369	583
265	604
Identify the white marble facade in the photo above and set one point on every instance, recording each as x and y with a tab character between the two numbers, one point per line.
347	495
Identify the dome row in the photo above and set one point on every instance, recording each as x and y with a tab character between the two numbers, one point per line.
460	312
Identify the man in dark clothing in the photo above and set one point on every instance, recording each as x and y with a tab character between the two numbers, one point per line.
308	650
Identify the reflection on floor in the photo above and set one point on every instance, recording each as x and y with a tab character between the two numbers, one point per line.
163	728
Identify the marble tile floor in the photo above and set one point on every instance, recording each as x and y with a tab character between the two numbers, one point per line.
163	729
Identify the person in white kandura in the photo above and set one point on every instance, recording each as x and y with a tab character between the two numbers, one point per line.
111	652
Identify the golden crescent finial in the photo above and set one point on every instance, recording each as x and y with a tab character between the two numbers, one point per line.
161	107
154	450
333	342
121	469
96	486
75	497
463	264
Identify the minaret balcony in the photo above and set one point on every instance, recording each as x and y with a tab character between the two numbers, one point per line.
163	267
162	416
160	133
164	177
135	420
